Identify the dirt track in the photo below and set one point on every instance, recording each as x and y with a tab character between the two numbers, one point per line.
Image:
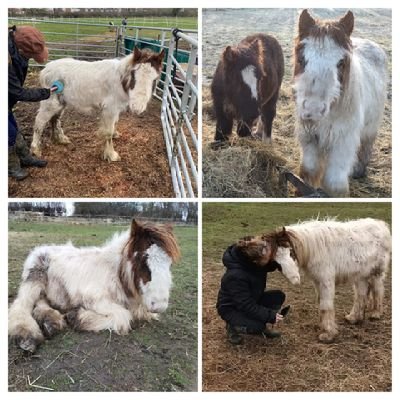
229	26
78	170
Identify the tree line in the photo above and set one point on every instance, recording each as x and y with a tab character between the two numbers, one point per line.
102	12
185	212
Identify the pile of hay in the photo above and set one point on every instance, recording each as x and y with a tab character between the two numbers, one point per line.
245	168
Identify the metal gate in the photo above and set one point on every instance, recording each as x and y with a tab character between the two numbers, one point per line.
178	110
177	87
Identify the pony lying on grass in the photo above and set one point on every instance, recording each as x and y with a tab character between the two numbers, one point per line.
94	288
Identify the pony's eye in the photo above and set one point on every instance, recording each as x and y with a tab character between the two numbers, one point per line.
340	64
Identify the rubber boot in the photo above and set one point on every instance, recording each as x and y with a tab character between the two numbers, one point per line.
25	156
233	335
14	166
270	334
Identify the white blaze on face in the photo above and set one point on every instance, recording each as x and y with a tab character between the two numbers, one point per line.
289	266
140	95
156	292
318	86
249	78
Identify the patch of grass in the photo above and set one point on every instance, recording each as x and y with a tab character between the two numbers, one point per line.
224	223
70	28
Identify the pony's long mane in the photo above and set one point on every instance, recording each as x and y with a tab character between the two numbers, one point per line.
148	234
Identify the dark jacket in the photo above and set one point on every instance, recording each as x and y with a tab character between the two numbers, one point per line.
17	70
242	286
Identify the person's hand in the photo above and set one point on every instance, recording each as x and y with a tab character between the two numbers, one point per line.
279	318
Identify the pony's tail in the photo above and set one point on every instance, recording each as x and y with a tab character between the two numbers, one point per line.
22	327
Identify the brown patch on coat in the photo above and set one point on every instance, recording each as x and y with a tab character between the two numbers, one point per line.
281	238
145	234
338	30
140	57
38	272
142	273
142	236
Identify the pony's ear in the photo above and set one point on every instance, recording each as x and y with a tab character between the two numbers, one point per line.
282	233
347	22
161	55
135	227
136	54
229	54
306	22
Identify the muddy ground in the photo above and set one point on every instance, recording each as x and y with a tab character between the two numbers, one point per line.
359	359
156	356
228	27
78	170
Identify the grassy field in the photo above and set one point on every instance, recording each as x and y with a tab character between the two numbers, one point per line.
161	356
360	358
52	30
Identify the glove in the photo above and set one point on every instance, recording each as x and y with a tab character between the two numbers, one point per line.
58	85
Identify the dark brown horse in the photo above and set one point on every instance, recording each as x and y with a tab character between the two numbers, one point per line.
246	86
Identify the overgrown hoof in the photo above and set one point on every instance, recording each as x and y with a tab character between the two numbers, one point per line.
72	318
62	140
36	151
50	327
352	320
219	144
28	344
375	316
326	338
112	157
359	173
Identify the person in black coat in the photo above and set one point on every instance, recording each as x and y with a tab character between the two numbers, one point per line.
24	42
242	302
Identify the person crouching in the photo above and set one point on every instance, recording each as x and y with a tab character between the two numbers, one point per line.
242	302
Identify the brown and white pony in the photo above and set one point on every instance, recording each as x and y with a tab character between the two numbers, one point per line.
340	91
107	87
246	86
94	288
331	252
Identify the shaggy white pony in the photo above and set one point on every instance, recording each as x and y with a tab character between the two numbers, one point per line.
107	87
340	92
94	288
332	252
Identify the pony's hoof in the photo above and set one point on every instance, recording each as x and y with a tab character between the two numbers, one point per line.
112	156
326	338
351	319
116	135
63	140
50	327
155	316
29	343
36	151
375	316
